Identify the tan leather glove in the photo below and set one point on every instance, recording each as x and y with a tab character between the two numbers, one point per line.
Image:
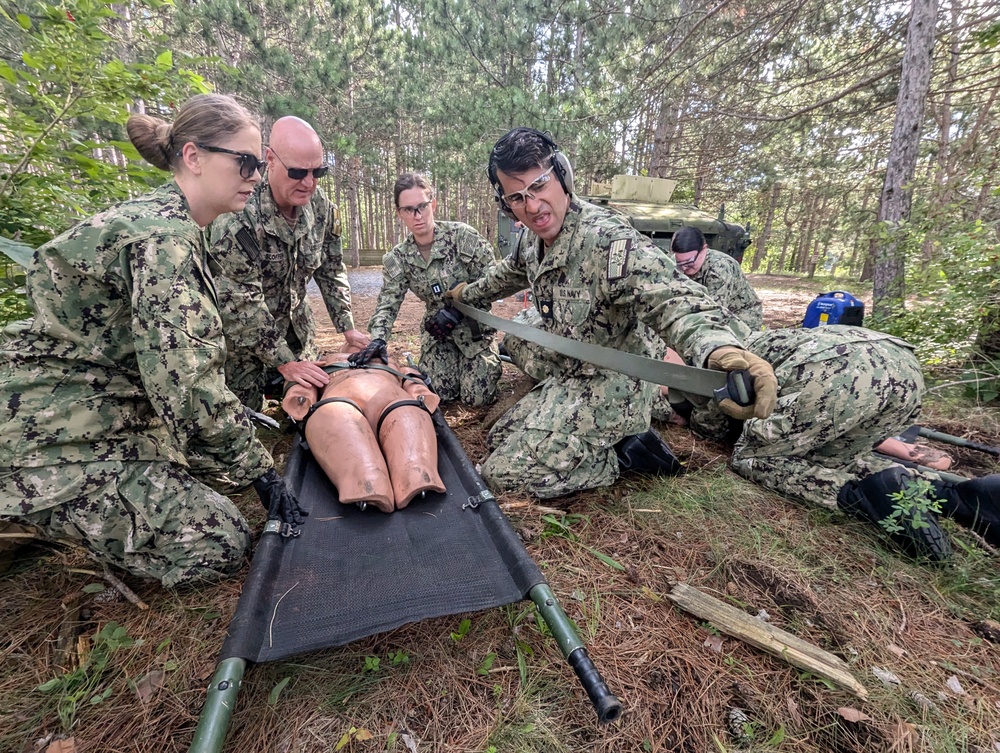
765	385
454	293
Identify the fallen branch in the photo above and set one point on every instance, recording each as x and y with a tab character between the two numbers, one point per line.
120	587
775	641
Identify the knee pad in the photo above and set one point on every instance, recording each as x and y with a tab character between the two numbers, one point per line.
869	499
647	453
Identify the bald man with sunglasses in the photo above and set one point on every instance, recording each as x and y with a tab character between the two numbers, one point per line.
288	234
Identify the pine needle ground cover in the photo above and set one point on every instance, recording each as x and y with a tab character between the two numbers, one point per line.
81	666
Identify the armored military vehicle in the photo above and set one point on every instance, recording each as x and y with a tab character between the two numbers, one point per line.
645	203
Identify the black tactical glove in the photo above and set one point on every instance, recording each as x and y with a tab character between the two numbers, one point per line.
443	322
375	349
281	504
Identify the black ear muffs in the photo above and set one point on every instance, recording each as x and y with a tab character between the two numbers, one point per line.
558	160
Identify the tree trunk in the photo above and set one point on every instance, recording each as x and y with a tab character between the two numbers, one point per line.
354	215
760	249
666	127
889	281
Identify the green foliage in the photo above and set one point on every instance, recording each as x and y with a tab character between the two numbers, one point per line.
275	694
82	685
372	664
915	503
486	664
68	93
13	303
398	658
951	292
463	630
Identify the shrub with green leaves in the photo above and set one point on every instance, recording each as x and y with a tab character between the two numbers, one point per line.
82	686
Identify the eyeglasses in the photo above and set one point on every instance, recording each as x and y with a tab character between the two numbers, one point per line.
519	198
419	209
249	163
298	173
688	263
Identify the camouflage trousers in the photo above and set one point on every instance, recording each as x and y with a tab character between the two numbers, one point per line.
830	414
152	519
584	418
472	378
575	450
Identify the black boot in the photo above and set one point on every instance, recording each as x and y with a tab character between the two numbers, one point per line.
868	499
974	504
647	453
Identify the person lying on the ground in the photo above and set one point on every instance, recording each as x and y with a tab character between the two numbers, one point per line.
459	355
719	273
596	280
370	428
841	391
725	282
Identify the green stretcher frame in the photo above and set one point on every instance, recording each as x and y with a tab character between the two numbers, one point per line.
224	689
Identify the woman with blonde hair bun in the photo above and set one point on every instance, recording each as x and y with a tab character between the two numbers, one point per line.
114	413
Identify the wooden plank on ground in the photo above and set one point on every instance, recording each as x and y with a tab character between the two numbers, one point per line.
773	640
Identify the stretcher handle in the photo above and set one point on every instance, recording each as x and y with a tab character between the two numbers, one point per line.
607	706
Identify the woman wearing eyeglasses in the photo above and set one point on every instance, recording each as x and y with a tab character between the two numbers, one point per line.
458	355
114	414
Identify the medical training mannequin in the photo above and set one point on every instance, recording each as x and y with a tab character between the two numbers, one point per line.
370	430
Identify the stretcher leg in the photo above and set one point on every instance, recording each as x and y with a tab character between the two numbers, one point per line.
606	704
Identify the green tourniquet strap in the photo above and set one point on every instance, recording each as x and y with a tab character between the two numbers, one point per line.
687	378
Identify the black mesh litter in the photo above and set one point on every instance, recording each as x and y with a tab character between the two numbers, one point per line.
352	574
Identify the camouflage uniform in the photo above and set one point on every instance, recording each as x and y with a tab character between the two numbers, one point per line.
599	283
467	366
266	313
841	391
112	399
724	279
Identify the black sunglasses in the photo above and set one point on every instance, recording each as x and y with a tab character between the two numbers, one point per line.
298	173
249	163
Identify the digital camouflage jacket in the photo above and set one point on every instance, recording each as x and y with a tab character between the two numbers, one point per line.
459	254
124	357
724	279
287	258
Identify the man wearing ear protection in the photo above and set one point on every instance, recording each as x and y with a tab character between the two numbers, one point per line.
596	280
288	234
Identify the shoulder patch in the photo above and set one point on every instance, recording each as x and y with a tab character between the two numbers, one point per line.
618	258
392	266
